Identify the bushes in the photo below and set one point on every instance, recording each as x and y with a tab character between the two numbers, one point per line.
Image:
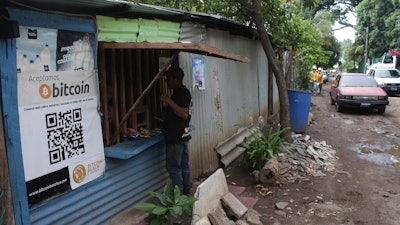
171	207
260	148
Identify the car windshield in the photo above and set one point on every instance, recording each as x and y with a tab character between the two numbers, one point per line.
387	74
357	81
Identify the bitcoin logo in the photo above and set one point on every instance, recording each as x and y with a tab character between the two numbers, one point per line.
45	91
79	173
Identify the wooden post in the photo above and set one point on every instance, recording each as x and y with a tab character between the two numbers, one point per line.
6	207
128	113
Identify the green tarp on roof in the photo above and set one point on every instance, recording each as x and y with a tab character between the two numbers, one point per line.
136	30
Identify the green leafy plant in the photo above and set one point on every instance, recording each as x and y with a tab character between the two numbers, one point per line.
169	208
260	148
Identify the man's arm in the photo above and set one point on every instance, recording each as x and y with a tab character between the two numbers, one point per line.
181	112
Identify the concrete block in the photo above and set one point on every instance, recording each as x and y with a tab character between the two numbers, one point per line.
209	194
252	217
233	205
203	221
218	216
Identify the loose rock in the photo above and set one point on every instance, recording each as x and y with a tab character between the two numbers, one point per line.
309	157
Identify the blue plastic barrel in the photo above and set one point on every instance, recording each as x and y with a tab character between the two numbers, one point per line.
299	102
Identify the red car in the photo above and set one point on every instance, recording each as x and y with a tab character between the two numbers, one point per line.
357	90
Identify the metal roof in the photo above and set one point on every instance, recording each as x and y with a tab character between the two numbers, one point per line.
123	9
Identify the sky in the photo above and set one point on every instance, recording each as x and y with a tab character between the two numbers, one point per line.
346	33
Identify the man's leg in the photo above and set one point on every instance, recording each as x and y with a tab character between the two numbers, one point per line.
315	88
187	181
173	161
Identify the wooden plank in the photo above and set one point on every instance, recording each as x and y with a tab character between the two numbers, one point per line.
122	89
6	206
130	81
140	71
115	101
104	94
196	48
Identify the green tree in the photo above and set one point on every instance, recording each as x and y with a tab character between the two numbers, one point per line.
339	9
392	25
380	17
330	47
353	55
254	11
309	51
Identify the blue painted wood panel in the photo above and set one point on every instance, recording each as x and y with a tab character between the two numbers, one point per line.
131	148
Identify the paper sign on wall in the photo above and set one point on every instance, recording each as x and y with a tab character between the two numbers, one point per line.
198	72
61	135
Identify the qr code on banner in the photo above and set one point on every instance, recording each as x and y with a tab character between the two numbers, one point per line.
64	135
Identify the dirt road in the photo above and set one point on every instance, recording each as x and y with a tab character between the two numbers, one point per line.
364	188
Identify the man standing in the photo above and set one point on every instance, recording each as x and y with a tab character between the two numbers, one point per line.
176	132
313	83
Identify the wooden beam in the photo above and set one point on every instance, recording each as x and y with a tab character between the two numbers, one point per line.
196	48
115	99
104	96
142	95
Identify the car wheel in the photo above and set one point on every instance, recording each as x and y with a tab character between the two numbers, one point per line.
339	107
332	101
382	109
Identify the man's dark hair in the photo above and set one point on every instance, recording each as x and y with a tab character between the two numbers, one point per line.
175	72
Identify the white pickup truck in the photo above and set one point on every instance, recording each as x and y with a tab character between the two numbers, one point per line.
387	78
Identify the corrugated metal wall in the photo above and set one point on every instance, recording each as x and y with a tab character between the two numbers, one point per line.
125	183
233	93
192	32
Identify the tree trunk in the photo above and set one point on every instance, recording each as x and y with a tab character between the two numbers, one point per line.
254	12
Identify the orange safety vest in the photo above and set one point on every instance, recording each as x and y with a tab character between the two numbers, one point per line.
312	76
319	78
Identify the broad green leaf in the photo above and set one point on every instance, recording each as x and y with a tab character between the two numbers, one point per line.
177	193
159	210
185	200
145	206
168	188
176	211
164	200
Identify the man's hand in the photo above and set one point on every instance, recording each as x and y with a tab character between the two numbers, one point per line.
165	98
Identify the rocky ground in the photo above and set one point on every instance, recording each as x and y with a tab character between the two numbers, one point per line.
354	177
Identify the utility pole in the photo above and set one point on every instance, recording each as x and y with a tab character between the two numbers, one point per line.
366	49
